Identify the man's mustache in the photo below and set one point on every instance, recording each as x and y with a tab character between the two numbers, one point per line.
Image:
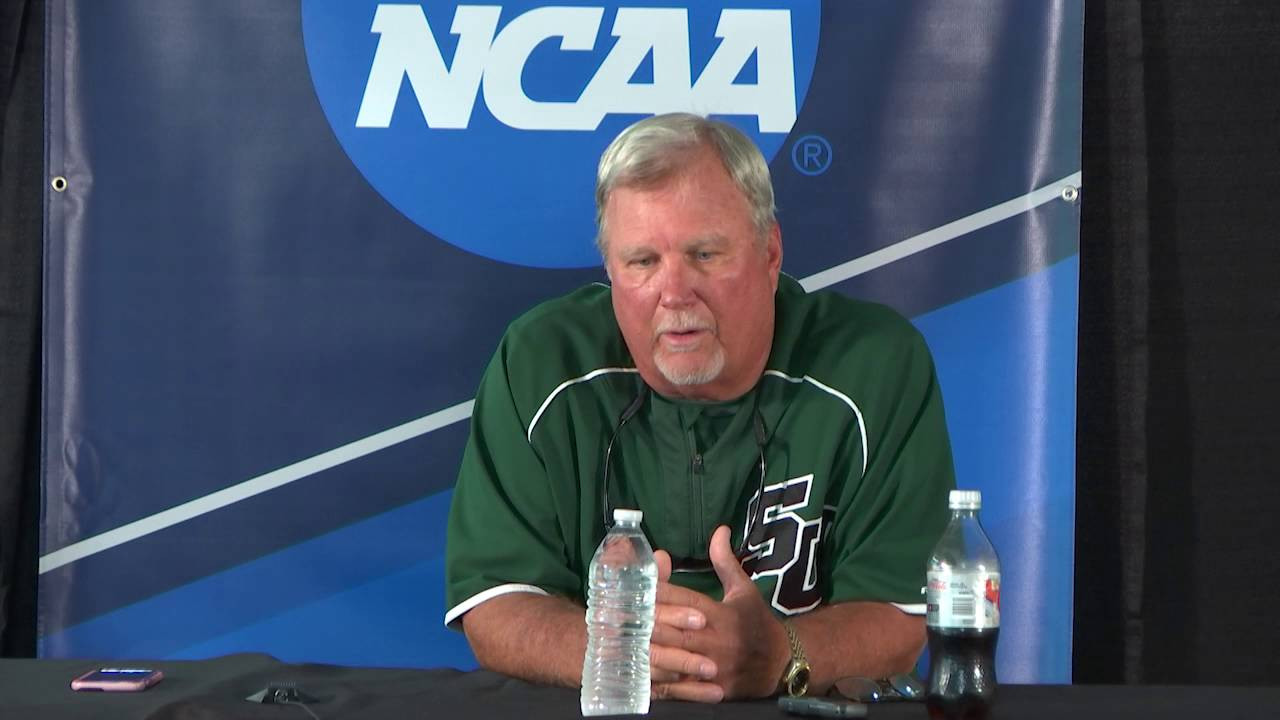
683	322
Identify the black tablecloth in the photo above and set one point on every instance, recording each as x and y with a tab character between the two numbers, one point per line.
216	689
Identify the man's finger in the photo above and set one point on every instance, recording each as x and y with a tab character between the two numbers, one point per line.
678	616
674	637
689	690
658	676
728	569
664	565
674	659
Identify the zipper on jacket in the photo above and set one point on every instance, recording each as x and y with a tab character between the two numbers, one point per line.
696	469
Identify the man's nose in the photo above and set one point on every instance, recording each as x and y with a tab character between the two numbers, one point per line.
677	282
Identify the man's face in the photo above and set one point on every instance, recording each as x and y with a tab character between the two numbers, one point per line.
693	286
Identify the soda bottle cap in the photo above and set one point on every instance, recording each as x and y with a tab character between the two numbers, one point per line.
965	500
631	517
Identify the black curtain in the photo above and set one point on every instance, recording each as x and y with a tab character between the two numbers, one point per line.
1179	367
21	183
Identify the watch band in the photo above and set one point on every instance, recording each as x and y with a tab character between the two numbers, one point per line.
795	678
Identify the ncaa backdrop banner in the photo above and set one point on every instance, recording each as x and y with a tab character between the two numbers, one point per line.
285	237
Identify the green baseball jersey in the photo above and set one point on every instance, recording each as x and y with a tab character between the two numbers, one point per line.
846	422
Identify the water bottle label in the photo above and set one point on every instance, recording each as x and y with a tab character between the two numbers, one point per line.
963	600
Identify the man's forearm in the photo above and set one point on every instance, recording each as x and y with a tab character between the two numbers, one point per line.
858	638
539	638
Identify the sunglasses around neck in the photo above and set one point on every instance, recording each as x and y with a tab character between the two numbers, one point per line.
686	564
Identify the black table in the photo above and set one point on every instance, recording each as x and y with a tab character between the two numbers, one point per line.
215	689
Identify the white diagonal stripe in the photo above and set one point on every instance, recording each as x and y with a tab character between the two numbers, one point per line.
254	486
414	428
939	235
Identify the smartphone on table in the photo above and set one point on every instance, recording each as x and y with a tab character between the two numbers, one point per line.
822	707
117	679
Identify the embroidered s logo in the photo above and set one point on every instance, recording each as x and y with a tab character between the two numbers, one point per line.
785	545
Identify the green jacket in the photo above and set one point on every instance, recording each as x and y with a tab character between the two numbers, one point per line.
858	464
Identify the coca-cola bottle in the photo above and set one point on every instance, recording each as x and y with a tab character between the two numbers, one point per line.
964	615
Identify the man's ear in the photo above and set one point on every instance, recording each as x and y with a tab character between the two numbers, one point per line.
773	248
604	261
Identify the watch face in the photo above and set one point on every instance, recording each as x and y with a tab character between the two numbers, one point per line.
798	680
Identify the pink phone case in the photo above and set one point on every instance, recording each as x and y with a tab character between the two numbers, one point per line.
117	679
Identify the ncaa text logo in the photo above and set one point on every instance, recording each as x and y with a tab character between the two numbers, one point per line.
483	124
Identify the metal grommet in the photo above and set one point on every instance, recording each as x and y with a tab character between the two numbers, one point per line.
1070	193
59	183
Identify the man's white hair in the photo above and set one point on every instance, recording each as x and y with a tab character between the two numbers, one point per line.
658	147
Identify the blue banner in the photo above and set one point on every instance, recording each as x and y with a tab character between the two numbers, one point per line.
292	233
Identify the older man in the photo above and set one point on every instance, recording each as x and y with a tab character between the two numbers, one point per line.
788	450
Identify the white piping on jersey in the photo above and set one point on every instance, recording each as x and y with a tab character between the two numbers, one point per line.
593	374
461	608
862	425
911	608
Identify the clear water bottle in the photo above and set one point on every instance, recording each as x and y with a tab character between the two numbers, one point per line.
963	620
621	594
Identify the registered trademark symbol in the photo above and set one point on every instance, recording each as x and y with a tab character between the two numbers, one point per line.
811	155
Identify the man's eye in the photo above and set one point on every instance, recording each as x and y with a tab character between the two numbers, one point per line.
641	262
704	255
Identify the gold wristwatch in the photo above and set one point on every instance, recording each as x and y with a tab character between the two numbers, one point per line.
795	679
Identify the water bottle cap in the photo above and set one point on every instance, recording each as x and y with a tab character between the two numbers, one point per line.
623	515
965	500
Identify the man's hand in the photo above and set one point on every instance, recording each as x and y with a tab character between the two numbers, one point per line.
709	651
